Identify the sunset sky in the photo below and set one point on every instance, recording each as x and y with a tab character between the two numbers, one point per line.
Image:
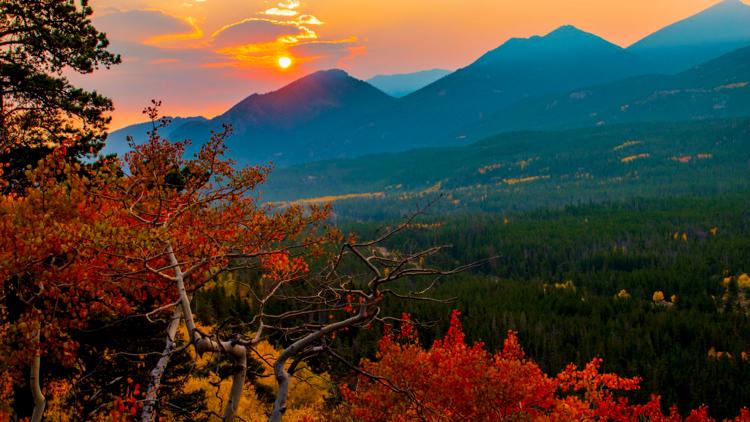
201	56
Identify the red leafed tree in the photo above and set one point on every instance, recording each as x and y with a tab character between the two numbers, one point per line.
181	222
114	245
452	381
49	270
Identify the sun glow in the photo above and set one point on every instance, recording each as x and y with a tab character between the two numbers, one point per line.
285	62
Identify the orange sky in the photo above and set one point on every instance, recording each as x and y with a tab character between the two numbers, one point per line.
202	56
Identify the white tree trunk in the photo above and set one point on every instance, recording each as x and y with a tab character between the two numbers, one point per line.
36	390
148	415
297	349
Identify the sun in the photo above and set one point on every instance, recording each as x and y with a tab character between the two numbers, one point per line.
285	62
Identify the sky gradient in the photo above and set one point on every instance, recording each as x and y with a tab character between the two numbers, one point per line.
201	56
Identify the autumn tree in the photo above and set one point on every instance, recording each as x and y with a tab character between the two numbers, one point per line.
49	271
39	107
454	381
182	223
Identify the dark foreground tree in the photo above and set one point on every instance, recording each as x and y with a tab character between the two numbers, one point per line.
39	40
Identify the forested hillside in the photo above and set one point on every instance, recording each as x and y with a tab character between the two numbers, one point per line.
533	169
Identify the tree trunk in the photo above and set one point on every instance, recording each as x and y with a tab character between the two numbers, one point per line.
282	379
205	344
36	390
298	350
148	415
238	382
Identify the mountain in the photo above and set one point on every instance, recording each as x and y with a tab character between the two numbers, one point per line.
117	141
520	68
717	89
302	121
699	38
329	114
402	84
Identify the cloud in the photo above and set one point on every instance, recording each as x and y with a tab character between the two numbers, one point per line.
308	20
147	26
252	31
289	4
285	8
275	11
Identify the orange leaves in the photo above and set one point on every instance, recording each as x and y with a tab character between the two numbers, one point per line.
453	381
280	266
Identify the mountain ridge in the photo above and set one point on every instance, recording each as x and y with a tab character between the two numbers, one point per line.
329	114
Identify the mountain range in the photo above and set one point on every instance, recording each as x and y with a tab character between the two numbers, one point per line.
567	78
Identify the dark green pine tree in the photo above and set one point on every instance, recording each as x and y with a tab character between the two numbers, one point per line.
39	107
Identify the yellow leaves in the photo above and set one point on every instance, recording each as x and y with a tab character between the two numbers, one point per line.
626	145
329	199
714	354
686	159
567	285
307	393
528	179
658	296
743	281
623	295
632	158
434	188
490	167
522	164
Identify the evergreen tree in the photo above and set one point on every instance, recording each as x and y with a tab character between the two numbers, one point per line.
39	107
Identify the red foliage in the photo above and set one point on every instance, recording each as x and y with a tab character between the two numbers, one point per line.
452	381
90	245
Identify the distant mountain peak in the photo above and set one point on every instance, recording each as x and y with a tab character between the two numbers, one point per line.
566	30
329	73
324	76
726	21
566	40
725	6
732	3
401	84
